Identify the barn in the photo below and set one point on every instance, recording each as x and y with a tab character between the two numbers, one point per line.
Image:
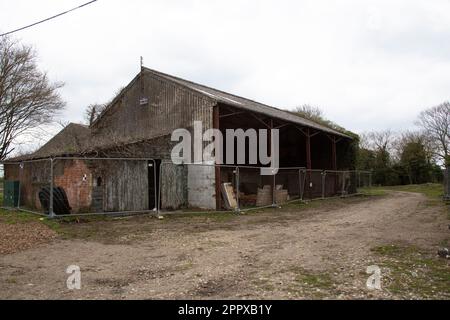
122	161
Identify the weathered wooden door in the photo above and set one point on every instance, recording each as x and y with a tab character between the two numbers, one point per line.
126	186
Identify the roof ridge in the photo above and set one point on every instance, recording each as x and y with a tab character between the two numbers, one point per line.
208	87
287	112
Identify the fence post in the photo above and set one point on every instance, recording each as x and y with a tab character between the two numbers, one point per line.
358	184
238	206
274	185
50	207
324	174
155	186
21	166
343	184
447	184
300	184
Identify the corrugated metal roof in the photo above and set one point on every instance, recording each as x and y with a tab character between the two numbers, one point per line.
246	104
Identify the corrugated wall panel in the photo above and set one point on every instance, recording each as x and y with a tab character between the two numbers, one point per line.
126	186
170	107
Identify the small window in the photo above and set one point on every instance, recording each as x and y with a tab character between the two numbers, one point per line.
143	101
99	181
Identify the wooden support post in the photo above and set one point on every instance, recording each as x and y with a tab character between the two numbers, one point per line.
334	162
217	150
271	155
308	161
333	154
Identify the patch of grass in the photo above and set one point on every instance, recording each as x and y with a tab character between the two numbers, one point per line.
321	281
431	190
309	283
394	250
14	217
206	215
373	192
312	280
409	271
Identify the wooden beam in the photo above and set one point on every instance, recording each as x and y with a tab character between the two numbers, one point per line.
231	114
333	154
271	156
308	150
216	125
282	126
260	120
307	132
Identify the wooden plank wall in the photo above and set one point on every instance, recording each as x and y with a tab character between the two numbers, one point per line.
169	107
126	186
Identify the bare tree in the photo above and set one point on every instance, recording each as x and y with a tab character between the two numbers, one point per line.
27	99
380	140
436	124
364	141
95	110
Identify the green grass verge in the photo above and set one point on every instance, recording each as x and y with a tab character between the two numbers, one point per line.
431	190
411	272
15	217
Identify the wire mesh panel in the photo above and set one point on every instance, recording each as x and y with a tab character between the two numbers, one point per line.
314	184
363	180
333	183
289	184
351	178
79	186
103	186
244	187
173	191
254	189
27	186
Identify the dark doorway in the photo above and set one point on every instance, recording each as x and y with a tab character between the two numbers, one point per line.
153	182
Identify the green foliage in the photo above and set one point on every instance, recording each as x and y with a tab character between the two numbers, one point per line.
415	162
433	191
411	164
316	115
365	159
347	153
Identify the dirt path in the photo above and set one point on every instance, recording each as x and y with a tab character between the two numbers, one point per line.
318	252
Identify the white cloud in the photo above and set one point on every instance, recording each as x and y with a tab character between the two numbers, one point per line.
368	64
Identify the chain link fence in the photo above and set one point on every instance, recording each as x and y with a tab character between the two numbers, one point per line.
244	188
62	187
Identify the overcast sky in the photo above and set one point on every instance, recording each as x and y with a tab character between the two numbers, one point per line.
368	64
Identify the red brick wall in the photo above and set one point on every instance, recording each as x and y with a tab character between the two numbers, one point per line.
78	190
